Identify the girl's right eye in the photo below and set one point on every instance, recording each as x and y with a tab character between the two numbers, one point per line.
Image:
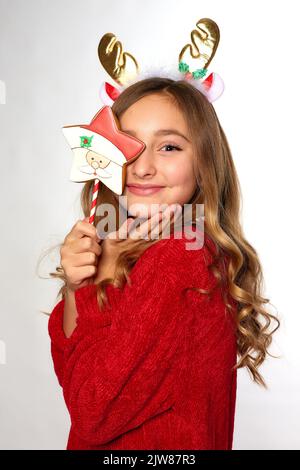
173	146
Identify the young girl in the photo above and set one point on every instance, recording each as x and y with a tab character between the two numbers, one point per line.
145	338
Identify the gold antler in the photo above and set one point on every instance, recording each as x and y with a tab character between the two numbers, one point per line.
121	66
205	41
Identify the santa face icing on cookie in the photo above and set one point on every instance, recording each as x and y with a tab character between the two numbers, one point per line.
96	162
96	165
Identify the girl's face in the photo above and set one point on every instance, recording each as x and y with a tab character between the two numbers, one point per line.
167	159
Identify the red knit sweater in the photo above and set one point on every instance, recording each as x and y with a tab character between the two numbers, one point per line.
154	369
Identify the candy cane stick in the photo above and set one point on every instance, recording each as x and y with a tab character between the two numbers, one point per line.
94	201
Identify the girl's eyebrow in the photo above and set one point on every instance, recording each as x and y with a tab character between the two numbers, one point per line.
160	132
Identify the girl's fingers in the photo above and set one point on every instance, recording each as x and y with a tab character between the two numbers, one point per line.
133	230
142	231
125	228
78	274
167	218
151	226
122	233
83	259
85	244
80	229
175	213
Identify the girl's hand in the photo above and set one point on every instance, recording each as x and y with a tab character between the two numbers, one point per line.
81	249
79	254
131	231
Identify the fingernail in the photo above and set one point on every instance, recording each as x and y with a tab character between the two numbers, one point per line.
169	209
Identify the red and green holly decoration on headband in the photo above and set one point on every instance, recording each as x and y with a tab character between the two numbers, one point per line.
184	68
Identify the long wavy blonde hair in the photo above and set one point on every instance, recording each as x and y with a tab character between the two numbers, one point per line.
218	189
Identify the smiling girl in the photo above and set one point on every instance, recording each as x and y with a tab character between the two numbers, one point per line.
145	338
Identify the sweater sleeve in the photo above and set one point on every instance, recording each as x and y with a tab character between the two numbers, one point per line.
120	368
58	338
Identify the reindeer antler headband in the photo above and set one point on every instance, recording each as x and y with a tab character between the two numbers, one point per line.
193	62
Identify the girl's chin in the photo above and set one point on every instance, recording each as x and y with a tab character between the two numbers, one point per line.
142	209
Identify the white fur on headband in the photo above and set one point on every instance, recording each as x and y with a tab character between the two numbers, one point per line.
212	89
169	71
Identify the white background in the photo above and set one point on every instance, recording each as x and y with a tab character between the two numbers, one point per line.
50	76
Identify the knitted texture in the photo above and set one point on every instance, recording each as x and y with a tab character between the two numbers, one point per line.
154	368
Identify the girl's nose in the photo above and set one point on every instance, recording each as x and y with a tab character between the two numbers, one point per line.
143	165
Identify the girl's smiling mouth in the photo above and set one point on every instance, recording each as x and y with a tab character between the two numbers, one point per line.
143	189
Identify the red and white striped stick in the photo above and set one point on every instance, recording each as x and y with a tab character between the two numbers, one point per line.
94	201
